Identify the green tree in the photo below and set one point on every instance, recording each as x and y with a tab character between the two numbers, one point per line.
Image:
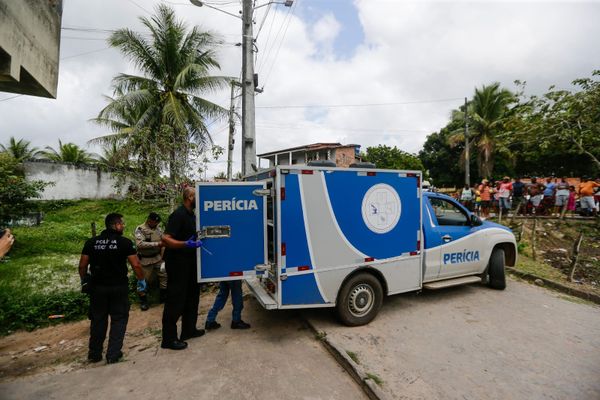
114	157
392	158
441	160
167	98
488	111
15	190
68	153
20	150
566	120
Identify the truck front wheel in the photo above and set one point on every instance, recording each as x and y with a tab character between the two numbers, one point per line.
359	300
497	280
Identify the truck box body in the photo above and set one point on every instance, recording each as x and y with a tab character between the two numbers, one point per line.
322	224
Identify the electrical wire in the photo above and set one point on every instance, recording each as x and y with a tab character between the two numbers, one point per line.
361	105
287	25
268	44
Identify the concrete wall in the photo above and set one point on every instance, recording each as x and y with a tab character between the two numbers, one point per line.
29	46
71	182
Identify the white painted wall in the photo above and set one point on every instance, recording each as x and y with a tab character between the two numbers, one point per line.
71	182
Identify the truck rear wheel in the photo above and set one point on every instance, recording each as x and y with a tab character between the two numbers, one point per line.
497	280
359	300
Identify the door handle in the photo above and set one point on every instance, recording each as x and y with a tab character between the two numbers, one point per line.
447	238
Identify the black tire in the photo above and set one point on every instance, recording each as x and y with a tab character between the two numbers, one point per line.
359	300
496	280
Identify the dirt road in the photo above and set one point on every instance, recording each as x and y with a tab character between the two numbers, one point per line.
476	343
278	358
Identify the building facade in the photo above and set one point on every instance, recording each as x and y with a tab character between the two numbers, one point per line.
342	155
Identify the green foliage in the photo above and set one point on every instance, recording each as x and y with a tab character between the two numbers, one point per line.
440	159
68	153
20	149
31	311
392	158
159	117
15	190
562	127
487	112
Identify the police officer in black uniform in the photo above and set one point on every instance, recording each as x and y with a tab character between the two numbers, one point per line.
106	282
183	290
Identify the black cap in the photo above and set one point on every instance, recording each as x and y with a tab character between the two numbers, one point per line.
154	217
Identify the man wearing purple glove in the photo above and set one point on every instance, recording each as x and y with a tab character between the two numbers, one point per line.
183	290
106	283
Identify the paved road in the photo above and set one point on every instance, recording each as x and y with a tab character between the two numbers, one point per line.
472	342
277	359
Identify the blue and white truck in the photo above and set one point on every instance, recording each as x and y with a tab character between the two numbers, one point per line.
312	236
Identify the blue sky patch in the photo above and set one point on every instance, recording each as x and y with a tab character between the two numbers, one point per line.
351	33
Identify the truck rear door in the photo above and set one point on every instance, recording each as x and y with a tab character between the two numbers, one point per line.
232	221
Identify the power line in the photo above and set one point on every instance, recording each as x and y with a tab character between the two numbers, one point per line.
287	25
269	49
361	105
138	6
11	97
86	53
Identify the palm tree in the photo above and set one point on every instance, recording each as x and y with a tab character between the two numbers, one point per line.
19	149
487	112
114	157
131	137
68	153
176	65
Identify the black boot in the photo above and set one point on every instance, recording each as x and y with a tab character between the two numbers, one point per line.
163	295
144	302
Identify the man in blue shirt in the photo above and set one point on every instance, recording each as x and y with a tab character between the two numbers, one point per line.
549	196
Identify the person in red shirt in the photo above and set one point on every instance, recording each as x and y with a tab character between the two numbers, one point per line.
486	196
504	191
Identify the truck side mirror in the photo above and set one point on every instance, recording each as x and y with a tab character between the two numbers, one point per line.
474	220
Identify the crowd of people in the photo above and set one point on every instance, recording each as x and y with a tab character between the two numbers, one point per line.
551	196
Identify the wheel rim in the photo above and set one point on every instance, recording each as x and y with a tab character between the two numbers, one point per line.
361	300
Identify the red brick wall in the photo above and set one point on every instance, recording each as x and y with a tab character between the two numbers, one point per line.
344	156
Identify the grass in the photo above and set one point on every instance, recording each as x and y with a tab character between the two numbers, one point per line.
538	268
40	276
375	378
353	356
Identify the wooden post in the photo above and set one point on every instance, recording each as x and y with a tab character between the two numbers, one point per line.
575	256
93	229
533	237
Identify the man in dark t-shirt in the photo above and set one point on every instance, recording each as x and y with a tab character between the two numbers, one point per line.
518	194
183	290
106	282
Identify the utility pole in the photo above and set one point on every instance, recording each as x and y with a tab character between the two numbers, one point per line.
231	140
248	126
467	155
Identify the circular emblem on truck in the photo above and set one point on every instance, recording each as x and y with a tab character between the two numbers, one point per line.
381	208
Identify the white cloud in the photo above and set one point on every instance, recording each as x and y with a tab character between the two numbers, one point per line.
413	50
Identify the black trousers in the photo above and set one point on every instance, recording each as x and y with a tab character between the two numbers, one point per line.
183	297
108	301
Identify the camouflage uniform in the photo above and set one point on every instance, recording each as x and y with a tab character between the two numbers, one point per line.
147	241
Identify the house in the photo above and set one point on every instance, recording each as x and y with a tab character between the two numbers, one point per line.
342	154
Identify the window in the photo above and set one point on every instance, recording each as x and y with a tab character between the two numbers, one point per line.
448	213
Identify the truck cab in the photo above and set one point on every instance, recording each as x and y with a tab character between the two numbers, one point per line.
457	242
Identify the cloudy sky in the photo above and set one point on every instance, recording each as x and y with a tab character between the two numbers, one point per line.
366	72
